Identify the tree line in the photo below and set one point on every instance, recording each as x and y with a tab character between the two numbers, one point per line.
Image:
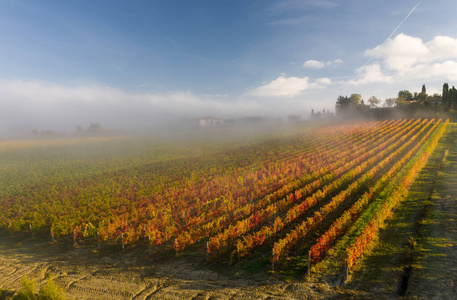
405	100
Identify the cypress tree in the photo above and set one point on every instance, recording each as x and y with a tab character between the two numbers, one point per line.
453	98
445	97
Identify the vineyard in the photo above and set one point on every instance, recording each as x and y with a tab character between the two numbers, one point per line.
280	198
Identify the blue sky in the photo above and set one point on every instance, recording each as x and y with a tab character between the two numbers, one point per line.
135	63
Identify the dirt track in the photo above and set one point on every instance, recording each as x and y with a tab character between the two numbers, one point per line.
86	274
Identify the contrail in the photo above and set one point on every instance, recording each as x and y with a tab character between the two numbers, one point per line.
396	28
393	32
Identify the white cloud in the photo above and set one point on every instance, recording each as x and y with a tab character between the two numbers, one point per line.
406	58
424	71
320	83
288	86
281	86
324	81
401	52
405	51
370	74
315	64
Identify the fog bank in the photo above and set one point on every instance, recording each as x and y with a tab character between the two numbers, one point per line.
47	105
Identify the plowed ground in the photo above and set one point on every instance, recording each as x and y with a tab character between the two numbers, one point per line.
89	273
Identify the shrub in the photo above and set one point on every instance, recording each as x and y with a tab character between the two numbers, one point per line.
49	291
27	291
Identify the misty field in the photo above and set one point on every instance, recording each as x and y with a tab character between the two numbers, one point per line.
293	204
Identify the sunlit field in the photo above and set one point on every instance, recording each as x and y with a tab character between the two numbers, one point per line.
279	149
282	197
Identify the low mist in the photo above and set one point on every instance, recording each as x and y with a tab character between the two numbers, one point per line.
33	105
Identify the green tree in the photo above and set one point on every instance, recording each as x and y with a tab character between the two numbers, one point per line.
342	104
347	104
406	95
422	95
389	102
373	101
356	99
94	128
445	96
452	98
400	101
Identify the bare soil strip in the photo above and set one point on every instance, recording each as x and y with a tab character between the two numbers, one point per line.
86	273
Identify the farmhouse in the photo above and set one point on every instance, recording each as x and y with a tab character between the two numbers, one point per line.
210	121
435	100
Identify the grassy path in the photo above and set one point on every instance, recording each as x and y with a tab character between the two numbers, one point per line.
437	256
417	248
